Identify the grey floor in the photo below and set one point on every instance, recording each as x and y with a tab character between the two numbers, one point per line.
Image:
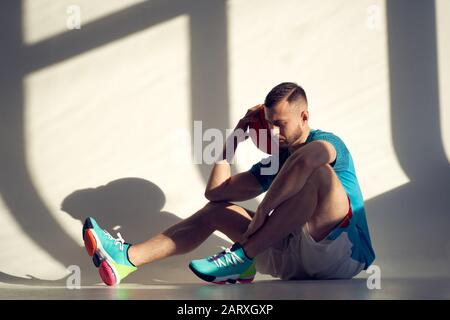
263	289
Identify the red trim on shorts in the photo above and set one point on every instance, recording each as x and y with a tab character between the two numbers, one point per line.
346	221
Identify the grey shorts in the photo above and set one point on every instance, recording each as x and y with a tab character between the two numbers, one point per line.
299	256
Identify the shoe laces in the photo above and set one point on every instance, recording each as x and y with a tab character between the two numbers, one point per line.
230	258
117	241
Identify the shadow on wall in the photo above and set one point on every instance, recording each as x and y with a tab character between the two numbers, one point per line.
209	78
410	223
135	205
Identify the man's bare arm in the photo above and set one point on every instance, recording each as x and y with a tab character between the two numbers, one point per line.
240	187
221	185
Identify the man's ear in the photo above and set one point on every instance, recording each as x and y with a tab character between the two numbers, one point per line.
305	115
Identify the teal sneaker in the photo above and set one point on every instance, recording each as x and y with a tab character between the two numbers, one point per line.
230	265
110	255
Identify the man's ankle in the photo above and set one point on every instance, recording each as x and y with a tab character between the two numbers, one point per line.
248	254
131	254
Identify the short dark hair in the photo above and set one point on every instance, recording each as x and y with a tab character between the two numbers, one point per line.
290	90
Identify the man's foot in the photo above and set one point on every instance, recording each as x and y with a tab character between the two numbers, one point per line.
230	265
109	255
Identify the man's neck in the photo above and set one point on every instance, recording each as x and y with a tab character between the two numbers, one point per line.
301	141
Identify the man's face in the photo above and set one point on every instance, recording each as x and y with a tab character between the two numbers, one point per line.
287	121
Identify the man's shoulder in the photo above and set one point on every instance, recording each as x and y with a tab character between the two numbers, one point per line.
318	134
330	137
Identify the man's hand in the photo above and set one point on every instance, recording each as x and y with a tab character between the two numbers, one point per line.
250	116
239	133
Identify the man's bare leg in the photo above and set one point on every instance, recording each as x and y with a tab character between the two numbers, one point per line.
188	234
322	203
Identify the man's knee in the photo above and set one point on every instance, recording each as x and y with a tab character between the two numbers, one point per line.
322	176
211	208
214	205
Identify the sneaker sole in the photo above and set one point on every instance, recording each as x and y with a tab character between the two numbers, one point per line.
100	257
212	279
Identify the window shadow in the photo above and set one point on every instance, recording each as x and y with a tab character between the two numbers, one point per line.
409	224
209	99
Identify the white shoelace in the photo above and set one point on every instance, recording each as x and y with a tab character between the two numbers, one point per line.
231	258
117	241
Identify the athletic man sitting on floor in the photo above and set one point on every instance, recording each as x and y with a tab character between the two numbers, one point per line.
311	223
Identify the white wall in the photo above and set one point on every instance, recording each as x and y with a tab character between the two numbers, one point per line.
90	129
